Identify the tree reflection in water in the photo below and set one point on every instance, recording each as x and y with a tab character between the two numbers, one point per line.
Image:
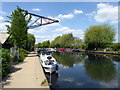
92	70
100	67
69	59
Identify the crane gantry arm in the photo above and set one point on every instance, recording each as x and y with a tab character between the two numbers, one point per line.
40	21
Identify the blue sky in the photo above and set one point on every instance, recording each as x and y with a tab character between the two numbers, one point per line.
74	17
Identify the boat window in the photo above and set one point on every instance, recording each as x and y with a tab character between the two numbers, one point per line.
52	60
47	53
48	62
43	53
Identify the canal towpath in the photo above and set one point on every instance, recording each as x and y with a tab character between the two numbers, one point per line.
28	74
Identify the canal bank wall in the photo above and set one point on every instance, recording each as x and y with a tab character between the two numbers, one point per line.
28	74
97	52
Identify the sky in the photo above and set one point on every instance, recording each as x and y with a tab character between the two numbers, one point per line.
74	17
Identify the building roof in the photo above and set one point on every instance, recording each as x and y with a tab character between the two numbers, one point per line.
3	37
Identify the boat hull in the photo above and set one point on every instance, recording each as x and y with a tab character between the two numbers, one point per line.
48	67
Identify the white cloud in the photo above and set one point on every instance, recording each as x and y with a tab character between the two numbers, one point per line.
37	31
111	84
36	9
47	37
1	18
91	15
42	37
33	18
105	13
67	16
77	11
68	30
3	27
2	12
31	31
53	25
61	29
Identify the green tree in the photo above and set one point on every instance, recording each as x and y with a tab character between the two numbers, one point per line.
99	36
77	43
45	44
65	40
115	46
30	42
55	42
18	28
5	57
38	45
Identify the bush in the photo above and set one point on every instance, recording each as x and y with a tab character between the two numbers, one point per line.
5	61
22	54
115	46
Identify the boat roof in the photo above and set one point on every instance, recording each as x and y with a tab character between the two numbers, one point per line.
62	48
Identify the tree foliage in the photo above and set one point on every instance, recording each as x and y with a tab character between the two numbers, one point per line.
99	36
5	57
45	44
65	40
18	28
30	42
115	46
77	43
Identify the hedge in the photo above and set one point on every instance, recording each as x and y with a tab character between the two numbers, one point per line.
5	60
22	54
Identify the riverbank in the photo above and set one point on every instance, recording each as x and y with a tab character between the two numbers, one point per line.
102	52
28	74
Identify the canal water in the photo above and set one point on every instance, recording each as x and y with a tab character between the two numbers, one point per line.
80	70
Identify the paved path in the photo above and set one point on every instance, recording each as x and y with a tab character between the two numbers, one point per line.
28	74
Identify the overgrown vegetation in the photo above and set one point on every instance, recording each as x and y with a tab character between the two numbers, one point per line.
18	30
5	61
22	54
44	82
30	42
6	57
19	38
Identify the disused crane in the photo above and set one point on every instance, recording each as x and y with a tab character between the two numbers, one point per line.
40	21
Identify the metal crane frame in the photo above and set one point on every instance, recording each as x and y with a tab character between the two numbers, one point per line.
40	19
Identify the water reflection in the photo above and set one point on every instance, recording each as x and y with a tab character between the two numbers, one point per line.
86	70
52	78
100	68
69	59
